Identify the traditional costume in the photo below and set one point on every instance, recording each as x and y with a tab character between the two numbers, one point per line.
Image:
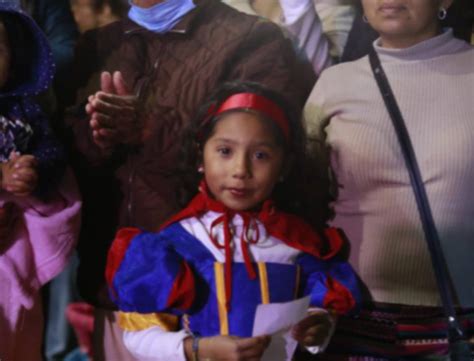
210	267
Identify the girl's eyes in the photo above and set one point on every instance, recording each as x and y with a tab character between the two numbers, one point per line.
224	151
261	155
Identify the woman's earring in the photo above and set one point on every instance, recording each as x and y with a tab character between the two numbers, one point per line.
364	19
200	169
442	14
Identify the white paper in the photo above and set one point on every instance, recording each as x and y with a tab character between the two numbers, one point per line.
277	319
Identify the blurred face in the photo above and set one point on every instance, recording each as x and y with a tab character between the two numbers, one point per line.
146	3
403	23
5	55
84	15
242	161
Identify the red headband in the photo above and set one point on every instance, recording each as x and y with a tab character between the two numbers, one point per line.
258	103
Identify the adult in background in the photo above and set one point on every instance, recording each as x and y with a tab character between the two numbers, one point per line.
361	35
91	14
432	76
55	19
320	27
140	81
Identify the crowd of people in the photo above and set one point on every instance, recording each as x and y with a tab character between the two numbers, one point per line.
168	166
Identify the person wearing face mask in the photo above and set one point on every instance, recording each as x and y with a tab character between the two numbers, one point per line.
431	74
138	83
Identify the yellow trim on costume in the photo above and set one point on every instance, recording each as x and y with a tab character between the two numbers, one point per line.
298	280
134	321
221	301
263	276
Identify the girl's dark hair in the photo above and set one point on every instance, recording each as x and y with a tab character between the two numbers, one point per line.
22	48
304	190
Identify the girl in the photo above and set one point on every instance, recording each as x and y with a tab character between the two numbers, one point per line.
190	291
39	207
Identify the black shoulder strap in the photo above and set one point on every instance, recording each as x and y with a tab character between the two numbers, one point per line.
456	335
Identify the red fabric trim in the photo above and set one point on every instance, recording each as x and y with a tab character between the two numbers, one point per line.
117	252
183	291
259	103
336	240
289	228
338	298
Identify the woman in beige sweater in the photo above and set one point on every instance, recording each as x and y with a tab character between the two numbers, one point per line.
432	76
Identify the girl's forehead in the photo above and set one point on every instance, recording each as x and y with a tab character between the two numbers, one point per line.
243	121
245	128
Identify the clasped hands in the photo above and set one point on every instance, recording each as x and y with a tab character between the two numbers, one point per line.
113	113
19	177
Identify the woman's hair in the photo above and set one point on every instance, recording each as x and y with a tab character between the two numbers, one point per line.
303	191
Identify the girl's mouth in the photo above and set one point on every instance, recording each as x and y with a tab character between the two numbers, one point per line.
238	192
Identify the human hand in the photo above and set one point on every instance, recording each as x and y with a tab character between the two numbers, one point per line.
19	174
114	113
314	329
232	348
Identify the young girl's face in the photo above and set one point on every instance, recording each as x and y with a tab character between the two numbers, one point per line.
4	55
242	161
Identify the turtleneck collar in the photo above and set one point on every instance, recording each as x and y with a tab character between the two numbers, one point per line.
442	44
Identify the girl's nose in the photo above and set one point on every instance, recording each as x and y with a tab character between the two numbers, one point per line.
241	167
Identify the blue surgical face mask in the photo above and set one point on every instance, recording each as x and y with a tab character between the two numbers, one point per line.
162	17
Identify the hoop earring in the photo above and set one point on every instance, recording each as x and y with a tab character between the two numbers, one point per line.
442	14
364	19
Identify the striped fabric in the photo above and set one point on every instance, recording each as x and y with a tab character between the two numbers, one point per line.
394	332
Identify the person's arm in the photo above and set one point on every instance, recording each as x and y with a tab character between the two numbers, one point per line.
302	21
156	344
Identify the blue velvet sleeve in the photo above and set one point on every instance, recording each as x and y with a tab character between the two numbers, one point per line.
331	284
152	277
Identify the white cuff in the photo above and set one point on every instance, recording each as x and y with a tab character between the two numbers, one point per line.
155	344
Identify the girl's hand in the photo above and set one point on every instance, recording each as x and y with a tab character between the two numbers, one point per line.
230	348
314	329
19	175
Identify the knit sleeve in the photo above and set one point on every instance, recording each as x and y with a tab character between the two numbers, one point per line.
146	275
316	115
